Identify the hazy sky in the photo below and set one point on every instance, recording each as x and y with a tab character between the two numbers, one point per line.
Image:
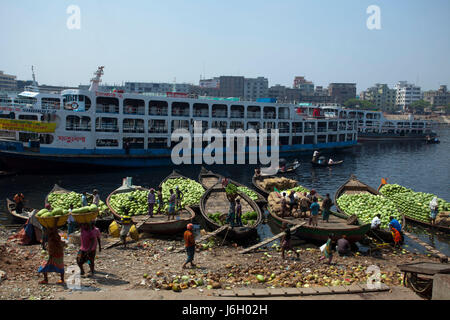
324	40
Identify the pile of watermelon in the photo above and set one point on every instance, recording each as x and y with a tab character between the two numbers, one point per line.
413	204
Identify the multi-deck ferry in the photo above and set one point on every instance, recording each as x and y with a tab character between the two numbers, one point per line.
118	129
375	126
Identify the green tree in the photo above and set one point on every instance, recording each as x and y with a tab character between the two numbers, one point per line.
360	104
419	105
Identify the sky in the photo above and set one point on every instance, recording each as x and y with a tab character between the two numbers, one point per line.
160	41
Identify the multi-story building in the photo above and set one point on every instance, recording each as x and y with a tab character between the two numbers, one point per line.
341	92
381	96
255	88
7	82
204	91
438	98
406	94
156	87
306	87
231	86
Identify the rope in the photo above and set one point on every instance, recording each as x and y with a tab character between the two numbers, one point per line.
421	291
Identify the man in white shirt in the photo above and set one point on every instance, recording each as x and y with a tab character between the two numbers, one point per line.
376	222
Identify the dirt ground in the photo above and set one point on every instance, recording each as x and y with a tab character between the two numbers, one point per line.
151	269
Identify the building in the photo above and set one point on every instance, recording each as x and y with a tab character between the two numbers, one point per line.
21	84
438	98
307	87
156	87
277	92
231	86
204	91
406	94
210	83
7	82
255	88
381	96
341	92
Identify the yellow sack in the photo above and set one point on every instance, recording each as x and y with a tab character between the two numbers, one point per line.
114	230
134	234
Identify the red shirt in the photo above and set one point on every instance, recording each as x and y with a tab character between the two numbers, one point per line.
189	239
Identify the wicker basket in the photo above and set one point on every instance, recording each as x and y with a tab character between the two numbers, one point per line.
87	217
51	222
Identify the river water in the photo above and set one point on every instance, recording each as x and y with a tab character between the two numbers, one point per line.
415	165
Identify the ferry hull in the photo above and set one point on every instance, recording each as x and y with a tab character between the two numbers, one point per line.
27	160
391	137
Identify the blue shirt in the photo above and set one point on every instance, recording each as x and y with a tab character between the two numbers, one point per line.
84	202
315	208
395	224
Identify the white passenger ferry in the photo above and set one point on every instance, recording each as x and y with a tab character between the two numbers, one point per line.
118	129
375	126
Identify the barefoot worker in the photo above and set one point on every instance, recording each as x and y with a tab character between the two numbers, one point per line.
55	262
286	241
151	199
189	243
127	222
90	236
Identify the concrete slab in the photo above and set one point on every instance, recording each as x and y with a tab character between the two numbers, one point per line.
322	290
261	292
354	288
308	291
339	289
277	292
244	293
292	291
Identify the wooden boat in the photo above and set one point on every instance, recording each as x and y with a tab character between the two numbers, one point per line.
102	222
215	200
174	175
337	226
6	173
326	164
354	186
444	227
257	183
158	224
23	217
209	179
289	168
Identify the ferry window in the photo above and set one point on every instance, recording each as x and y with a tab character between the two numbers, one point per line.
46	138
180	109
332	138
133	125
107	143
134	143
158	108
107	105
134	106
50	103
270	113
237	111
341	137
10	115
253	112
157	143
309	140
81	98
106	125
321	139
157	126
297	140
201	110
283	113
180	124
284	141
236	125
219	111
78	123
28	117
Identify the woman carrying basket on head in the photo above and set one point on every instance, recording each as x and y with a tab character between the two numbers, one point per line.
55	261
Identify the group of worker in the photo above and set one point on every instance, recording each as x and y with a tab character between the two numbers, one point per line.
292	203
175	200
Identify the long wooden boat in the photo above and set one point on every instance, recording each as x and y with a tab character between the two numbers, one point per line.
440	227
257	181
337	226
326	164
215	200
174	175
23	217
354	186
102	222
158	224
209	179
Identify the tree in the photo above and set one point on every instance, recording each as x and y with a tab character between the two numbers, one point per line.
419	105
360	104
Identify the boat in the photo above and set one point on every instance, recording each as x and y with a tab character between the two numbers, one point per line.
354	186
208	179
158	224
24	216
337	226
4	174
441	227
257	184
433	141
175	175
215	200
94	128
377	126
101	222
326	164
